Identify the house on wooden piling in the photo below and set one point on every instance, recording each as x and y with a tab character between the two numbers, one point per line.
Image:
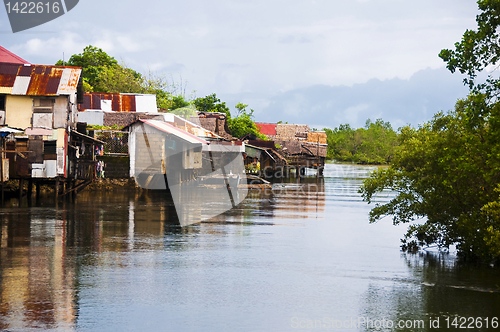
183	149
115	110
201	170
301	147
42	102
262	158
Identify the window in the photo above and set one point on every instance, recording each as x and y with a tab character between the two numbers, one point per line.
2	102
43	105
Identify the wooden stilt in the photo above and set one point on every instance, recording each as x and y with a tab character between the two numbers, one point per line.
56	189
21	185
30	188
37	190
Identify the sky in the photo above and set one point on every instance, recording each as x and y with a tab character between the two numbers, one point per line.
316	62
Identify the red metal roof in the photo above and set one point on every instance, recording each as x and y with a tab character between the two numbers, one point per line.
266	128
34	80
7	56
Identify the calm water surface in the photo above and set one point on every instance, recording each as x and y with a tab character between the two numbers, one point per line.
292	258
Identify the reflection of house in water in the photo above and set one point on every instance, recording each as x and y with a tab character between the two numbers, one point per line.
36	280
281	201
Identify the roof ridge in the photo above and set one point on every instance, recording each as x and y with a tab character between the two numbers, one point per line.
12	55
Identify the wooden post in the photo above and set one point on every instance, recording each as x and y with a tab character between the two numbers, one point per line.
56	188
21	185
37	190
30	187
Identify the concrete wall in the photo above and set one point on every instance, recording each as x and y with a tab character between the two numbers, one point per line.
95	118
19	110
143	156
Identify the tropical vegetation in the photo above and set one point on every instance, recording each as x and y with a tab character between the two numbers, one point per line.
102	73
446	173
373	144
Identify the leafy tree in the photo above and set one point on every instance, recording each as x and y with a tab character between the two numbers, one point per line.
373	144
243	124
92	61
211	103
448	170
102	73
119	79
179	102
185	112
478	49
169	96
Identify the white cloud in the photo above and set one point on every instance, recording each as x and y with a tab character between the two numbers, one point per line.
272	46
351	114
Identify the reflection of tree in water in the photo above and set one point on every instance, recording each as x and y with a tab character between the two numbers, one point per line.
454	289
438	287
391	300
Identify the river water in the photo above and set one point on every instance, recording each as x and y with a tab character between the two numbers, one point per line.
292	258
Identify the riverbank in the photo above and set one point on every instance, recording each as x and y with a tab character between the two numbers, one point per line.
112	185
130	184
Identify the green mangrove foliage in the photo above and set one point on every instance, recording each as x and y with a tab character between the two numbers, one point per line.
373	144
447	172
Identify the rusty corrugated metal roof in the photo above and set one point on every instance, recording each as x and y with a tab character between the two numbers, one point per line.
119	102
8	72
128	103
36	80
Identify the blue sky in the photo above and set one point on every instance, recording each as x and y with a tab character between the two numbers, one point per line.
318	62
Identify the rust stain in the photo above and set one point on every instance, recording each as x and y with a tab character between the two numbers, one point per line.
96	101
53	81
69	80
44	80
87	102
128	103
7	81
119	102
8	74
25	70
39	70
116	103
39	80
